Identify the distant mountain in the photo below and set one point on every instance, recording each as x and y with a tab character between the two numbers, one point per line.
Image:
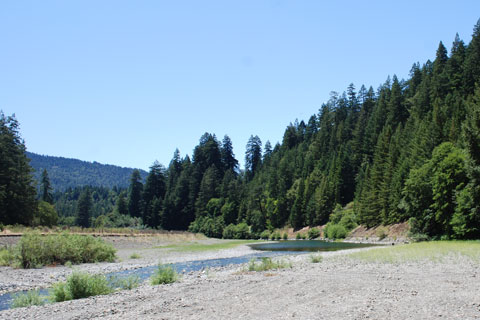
65	173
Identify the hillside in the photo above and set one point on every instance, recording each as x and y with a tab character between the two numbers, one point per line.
65	173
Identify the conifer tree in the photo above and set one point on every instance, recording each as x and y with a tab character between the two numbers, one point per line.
135	201
17	194
46	189
84	208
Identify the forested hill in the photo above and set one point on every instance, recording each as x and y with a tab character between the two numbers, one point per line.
65	173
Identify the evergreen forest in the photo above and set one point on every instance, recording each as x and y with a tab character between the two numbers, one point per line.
408	150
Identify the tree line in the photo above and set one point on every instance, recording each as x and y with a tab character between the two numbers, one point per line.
407	151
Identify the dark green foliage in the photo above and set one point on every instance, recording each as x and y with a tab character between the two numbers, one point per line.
84	209
164	275
45	188
17	194
135	201
313	233
67	173
80	285
46	215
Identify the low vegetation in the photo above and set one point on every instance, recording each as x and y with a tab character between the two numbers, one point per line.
316	258
422	251
35	250
341	222
80	285
125	283
135	256
164	275
30	298
266	264
196	247
313	233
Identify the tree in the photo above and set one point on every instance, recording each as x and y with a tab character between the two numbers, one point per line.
153	195
46	215
121	204
84	208
46	194
253	155
135	203
17	194
228	158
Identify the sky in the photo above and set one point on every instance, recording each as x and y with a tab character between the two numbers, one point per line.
128	82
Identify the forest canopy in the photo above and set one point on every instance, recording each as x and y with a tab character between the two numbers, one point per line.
406	151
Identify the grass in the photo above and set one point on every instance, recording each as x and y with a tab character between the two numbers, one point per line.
164	275
80	285
30	298
315	258
135	256
423	251
198	247
266	264
127	283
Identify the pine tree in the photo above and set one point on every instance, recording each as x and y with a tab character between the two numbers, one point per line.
84	208
228	158
46	194
253	155
17	194
135	201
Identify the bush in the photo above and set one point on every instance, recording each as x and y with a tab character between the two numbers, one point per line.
285	236
127	283
80	285
7	257
265	235
335	231
34	250
30	298
381	233
298	236
135	256
46	215
313	233
239	231
164	275
316	258
267	264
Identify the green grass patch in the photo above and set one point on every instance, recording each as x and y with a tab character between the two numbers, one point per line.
196	246
423	251
126	283
316	258
164	275
30	298
7	257
135	256
35	250
80	285
266	264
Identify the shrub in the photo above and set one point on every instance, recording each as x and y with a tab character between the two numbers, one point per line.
45	215
298	236
80	285
126	283
316	258
335	231
381	233
285	236
265	235
164	275
313	233
239	231
135	256
267	264
34	250
30	298
7	257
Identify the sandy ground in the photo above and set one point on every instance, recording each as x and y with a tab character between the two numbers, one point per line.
337	288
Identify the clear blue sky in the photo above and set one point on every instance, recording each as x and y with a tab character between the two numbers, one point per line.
127	82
